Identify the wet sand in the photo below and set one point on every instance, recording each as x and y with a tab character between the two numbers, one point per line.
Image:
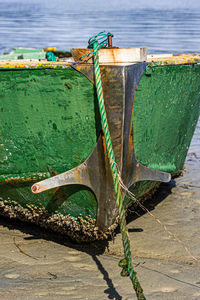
36	264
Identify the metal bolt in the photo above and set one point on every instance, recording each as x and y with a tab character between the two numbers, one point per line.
109	40
35	188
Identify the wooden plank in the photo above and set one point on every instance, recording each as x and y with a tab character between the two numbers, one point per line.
112	55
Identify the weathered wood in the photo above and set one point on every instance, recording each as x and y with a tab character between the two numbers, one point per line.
113	55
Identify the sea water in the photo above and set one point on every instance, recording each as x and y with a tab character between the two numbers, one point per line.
39	24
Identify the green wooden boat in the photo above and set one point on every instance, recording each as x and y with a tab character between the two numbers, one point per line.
51	137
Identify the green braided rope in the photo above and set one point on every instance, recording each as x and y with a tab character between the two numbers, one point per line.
101	38
126	263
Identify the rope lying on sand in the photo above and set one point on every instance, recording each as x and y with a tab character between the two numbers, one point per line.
96	42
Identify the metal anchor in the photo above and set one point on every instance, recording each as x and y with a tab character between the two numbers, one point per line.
120	82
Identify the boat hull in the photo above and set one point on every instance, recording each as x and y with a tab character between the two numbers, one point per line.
50	124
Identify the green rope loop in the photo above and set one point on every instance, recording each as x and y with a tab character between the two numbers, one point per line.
101	38
96	42
50	56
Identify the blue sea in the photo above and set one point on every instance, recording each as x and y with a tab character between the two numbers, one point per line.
39	24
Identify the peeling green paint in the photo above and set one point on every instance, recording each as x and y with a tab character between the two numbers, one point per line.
47	127
50	123
165	113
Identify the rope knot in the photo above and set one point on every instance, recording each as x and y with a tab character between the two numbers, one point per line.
123	263
97	41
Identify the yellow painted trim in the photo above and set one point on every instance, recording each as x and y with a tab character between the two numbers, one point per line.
178	59
12	64
49	49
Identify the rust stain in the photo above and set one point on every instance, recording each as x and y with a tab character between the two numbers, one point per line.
112	54
131	125
78	177
107	166
130	141
86	71
68	86
109	40
53	172
36	188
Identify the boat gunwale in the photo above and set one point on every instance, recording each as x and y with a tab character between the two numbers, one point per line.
182	59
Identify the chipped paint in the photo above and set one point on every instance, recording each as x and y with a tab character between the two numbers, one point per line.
43	129
166	110
175	60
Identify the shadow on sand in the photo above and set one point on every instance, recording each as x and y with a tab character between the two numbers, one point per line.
95	248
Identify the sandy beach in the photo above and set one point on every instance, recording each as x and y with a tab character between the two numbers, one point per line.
37	264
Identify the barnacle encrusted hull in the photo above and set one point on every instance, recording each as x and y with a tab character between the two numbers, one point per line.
79	229
50	124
